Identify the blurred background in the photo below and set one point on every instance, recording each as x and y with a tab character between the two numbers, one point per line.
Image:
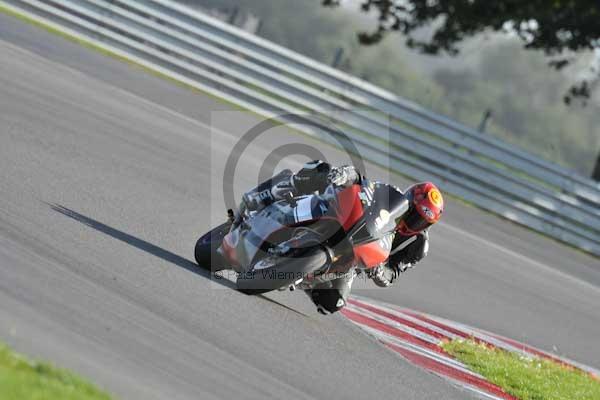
493	84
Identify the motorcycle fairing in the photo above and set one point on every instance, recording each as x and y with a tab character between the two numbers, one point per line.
349	207
373	235
241	246
374	253
367	213
383	214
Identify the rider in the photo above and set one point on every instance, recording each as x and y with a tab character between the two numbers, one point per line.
411	240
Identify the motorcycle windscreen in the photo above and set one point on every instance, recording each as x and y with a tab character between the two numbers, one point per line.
384	206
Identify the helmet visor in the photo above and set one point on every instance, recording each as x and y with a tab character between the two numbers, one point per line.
415	222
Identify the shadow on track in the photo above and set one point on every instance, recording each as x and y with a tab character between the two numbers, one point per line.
153	249
262	296
140	244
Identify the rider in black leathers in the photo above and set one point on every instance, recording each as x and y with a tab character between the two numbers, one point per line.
407	249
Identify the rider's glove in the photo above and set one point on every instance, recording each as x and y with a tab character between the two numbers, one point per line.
386	273
403	267
343	176
383	275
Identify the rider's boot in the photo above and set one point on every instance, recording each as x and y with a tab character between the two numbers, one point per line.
330	297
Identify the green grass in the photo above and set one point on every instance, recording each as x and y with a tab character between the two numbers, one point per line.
523	377
22	379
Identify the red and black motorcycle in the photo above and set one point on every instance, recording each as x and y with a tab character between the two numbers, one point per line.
306	240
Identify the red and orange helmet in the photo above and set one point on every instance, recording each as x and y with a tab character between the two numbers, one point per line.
426	207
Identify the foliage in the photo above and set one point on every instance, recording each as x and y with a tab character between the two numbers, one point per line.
524	96
523	377
554	26
21	378
525	101
559	24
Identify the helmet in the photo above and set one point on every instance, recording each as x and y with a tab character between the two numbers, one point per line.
426	205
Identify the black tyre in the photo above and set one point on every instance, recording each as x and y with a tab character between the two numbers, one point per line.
206	253
285	272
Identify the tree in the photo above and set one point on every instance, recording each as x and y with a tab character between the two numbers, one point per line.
557	27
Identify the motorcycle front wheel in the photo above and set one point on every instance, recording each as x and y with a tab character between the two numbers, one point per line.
282	271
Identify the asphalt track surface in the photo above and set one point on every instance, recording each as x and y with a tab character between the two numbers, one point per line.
109	175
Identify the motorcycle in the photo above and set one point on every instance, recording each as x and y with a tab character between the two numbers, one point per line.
303	241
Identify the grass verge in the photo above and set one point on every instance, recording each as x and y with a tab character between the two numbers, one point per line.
22	379
523	377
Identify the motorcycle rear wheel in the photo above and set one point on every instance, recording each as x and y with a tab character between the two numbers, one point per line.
286	272
206	253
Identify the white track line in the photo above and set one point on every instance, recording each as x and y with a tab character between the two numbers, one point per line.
521	257
417	340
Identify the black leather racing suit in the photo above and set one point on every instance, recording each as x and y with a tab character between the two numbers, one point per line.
315	176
